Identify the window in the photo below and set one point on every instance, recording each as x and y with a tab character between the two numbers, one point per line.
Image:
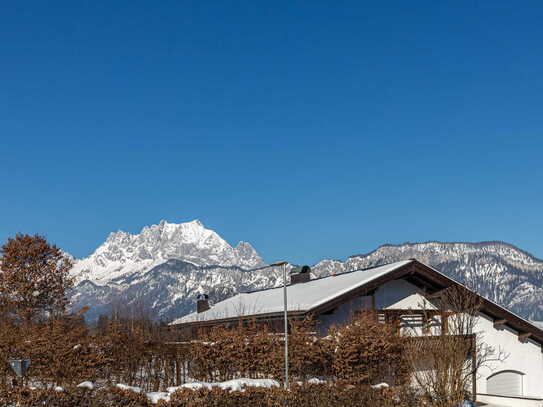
505	383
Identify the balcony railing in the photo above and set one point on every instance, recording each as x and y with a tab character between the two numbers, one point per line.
426	320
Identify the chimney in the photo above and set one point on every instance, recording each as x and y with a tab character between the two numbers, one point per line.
300	275
202	303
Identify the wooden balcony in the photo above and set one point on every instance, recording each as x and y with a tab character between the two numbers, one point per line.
427	319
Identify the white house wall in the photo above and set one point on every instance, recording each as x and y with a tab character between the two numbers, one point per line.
398	294
341	315
524	357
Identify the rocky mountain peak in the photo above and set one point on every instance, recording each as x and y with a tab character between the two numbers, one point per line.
123	252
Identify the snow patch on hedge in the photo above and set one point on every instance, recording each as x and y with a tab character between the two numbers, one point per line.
126	387
86	385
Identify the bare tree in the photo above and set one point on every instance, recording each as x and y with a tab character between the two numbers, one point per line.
446	350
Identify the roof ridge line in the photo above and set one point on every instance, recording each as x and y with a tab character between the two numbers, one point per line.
329	276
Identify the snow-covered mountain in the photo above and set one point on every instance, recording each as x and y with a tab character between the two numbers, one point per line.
123	254
166	265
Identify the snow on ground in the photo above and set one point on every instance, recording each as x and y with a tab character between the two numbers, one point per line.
126	387
232	385
192	386
86	385
238	384
154	397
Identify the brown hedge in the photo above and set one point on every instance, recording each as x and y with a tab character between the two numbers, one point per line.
315	395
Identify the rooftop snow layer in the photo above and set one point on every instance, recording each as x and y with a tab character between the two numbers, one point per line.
301	296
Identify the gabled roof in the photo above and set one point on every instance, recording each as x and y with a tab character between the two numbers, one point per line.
325	293
302	297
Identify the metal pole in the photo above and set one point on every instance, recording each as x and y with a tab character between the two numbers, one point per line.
286	322
285	315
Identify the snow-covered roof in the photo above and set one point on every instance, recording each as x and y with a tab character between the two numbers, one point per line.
301	297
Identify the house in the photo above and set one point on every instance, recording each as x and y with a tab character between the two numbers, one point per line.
392	291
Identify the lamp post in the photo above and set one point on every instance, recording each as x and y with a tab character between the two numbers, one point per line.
285	316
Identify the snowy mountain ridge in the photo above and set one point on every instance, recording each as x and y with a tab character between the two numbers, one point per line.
497	270
123	253
167	265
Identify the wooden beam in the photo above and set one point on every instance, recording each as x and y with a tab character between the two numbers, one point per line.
420	281
437	294
444	323
499	323
524	336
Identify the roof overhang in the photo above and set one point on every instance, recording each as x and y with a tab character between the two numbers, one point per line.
498	314
224	321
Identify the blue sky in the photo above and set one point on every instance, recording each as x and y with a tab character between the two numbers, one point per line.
310	129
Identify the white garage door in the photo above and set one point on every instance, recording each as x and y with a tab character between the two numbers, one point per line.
506	383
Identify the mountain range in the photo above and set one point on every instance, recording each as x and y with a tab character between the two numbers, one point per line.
165	266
